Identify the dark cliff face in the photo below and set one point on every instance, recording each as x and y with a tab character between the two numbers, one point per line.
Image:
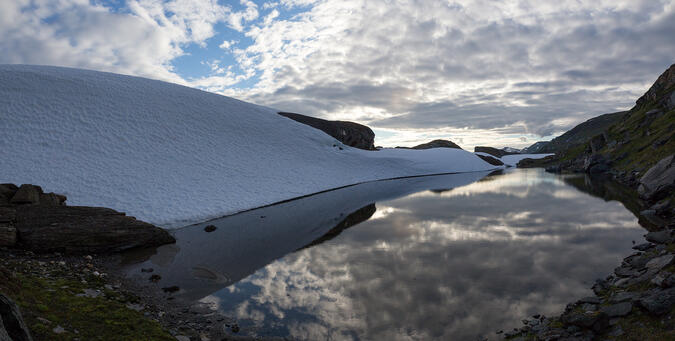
492	151
350	133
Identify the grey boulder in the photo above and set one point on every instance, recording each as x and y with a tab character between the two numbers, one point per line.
659	180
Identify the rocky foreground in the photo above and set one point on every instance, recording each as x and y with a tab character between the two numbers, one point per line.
63	294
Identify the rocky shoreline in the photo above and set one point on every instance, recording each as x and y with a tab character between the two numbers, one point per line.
636	302
60	276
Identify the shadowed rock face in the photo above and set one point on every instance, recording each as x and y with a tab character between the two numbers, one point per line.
350	133
437	144
76	229
41	222
491	160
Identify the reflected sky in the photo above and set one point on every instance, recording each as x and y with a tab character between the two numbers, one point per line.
444	264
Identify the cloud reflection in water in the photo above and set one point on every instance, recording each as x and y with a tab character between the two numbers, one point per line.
442	265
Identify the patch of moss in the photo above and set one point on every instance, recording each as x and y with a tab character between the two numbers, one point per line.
105	317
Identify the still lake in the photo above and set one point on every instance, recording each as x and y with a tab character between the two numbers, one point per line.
457	256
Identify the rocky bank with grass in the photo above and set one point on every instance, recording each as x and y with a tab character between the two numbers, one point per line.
637	149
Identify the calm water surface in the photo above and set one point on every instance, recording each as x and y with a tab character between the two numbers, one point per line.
446	257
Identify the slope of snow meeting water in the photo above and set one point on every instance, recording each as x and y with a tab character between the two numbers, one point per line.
173	155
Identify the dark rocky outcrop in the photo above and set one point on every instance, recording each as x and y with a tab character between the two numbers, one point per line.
76	229
12	326
492	151
491	160
27	194
41	222
350	133
437	144
577	135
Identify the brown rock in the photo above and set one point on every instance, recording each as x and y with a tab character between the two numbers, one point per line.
350	133
27	194
75	229
437	144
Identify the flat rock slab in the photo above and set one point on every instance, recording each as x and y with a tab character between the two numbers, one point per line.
619	309
659	263
659	302
77	229
659	237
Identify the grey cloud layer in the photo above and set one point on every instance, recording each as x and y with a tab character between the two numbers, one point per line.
526	67
478	64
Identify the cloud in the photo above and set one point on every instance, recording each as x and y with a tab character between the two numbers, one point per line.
476	64
529	67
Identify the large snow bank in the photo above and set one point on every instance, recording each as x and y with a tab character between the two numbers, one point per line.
173	155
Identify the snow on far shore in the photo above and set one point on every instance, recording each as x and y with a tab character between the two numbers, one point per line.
173	155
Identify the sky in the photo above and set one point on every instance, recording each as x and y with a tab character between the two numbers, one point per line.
477	72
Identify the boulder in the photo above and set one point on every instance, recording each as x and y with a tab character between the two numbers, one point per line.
350	133
74	229
619	309
12	326
437	144
659	181
27	194
659	302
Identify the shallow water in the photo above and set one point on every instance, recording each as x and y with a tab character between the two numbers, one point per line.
445	257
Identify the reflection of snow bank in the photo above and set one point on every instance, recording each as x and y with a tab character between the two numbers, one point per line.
172	155
245	242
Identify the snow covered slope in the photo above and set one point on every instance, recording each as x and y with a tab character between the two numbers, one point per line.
173	155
